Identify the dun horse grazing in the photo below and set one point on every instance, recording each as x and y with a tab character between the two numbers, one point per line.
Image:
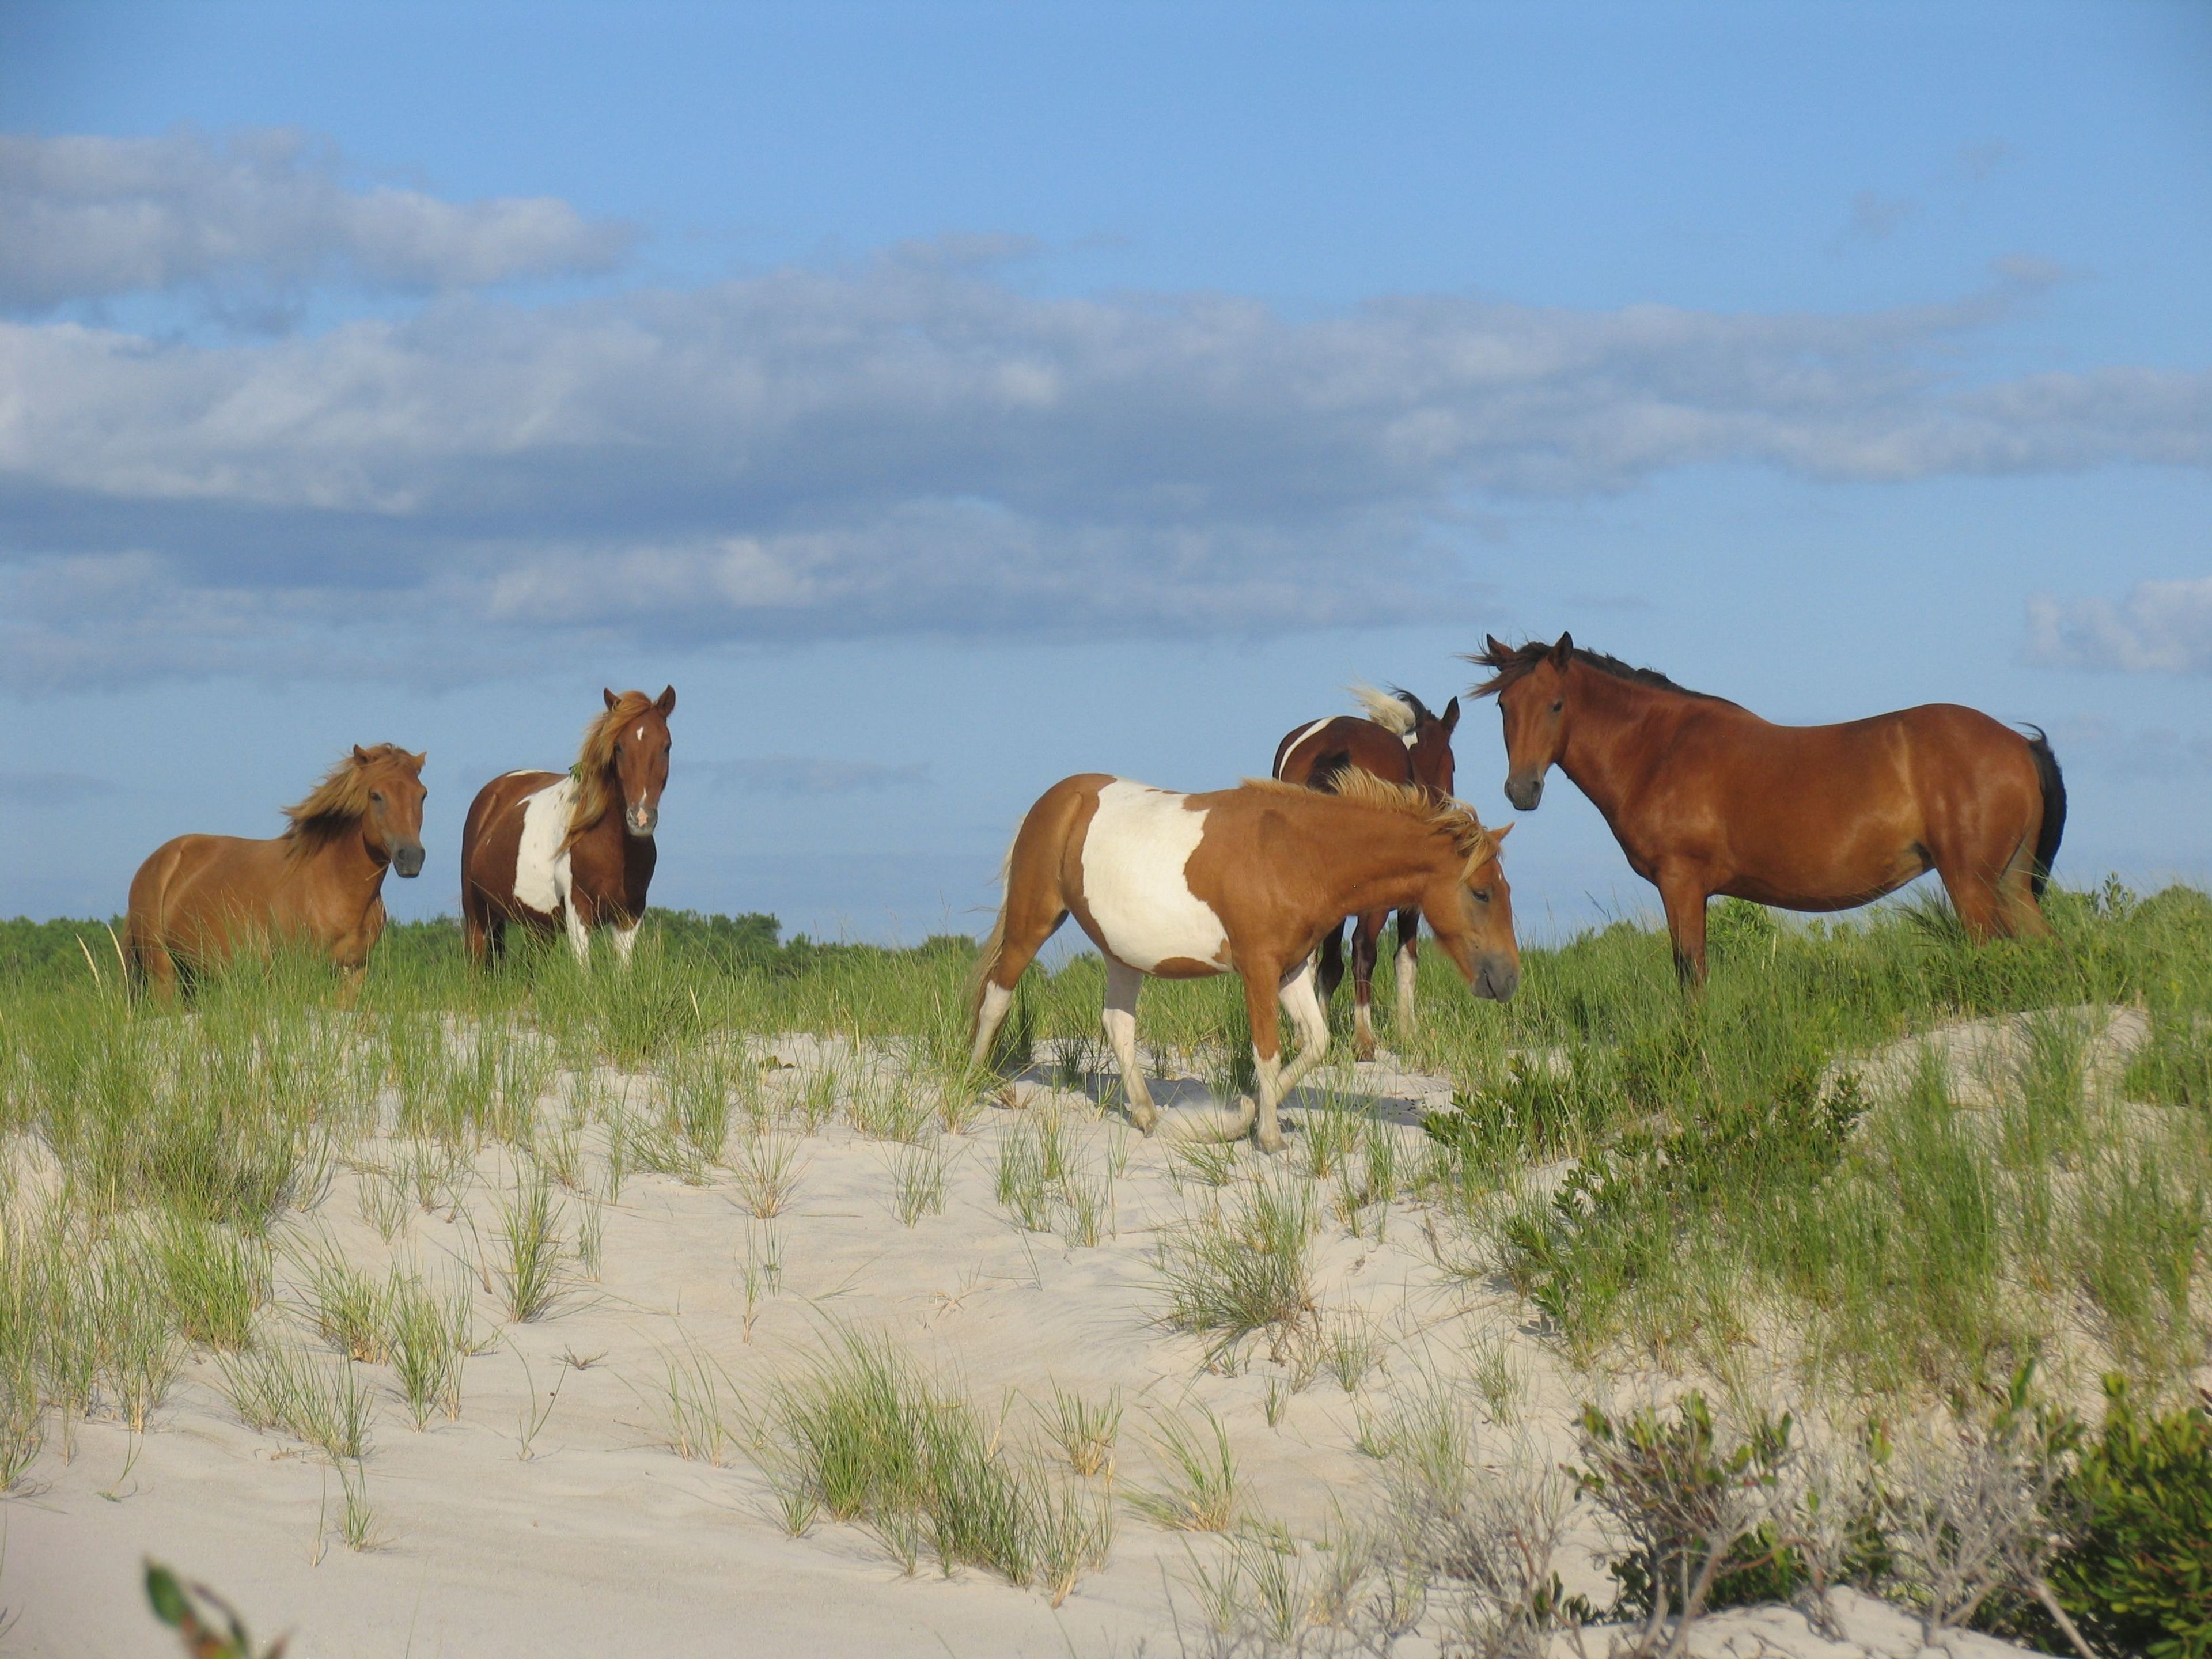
1240	881
202	898
1399	742
1705	797
550	850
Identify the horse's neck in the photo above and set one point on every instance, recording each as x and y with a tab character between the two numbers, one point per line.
342	865
1602	754
1403	862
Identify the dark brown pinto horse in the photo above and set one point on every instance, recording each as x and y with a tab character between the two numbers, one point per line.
1705	797
202	898
550	850
1399	742
1239	881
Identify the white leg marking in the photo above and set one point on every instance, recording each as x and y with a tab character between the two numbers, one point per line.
1301	1000
626	940
1122	984
988	1018
1409	975
1363	1026
580	937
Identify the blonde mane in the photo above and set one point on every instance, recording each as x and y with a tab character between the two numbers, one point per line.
1394	715
1477	844
340	801
596	760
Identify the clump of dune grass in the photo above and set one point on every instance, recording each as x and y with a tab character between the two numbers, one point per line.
768	1169
527	1265
427	1339
917	1174
864	1436
886	1105
350	1309
1197	1489
1085	1429
1349	1345
1240	1266
216	1280
280	1385
697	1406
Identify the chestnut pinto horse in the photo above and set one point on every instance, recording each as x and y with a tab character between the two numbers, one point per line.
550	850
1399	742
1705	797
1242	881
200	899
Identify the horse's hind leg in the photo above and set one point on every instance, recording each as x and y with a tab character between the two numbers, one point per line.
1329	962
1409	967
1123	983
1973	886
1366	936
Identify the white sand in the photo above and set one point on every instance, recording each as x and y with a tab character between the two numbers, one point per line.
603	1541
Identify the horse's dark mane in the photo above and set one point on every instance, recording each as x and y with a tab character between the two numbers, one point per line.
1421	710
1517	662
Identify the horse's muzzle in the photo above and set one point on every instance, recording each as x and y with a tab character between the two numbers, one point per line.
408	861
642	821
1498	978
1525	792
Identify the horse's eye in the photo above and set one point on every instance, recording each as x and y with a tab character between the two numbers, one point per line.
1482	895
376	797
1557	706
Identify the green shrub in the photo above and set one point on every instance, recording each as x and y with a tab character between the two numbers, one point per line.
2136	1571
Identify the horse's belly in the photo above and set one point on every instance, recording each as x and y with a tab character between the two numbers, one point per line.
541	863
1135	852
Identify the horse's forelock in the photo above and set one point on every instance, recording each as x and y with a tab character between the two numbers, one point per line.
1507	664
342	797
596	758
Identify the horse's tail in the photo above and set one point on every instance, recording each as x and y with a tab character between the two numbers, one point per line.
994	946
2053	827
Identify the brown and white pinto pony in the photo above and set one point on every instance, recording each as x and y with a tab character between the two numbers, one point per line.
1240	881
1398	742
200	899
570	849
1705	797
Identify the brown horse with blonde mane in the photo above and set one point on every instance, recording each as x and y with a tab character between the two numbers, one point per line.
1705	797
571	849
1242	881
1400	741
199	899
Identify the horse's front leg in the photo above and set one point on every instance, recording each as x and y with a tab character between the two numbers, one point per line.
1684	893
1122	984
578	925
1301	1000
626	938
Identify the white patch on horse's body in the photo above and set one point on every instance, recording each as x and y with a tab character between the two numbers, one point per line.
1292	748
1133	855
541	863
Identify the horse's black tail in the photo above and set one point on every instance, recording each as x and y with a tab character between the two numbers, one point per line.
2053	827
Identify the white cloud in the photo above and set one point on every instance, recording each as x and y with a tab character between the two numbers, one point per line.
2161	627
254	218
913	445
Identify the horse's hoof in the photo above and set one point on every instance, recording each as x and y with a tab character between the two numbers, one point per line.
1272	1143
1364	1050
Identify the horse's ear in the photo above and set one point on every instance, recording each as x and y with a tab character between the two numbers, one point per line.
1498	648
1451	716
1563	652
1500	833
361	755
666	702
611	699
420	758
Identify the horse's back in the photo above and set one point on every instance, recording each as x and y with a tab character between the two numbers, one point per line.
1312	754
193	886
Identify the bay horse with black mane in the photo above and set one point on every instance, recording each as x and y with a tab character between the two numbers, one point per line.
1400	741
200	899
1705	797
1242	881
571	849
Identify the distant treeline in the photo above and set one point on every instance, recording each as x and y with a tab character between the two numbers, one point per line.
47	953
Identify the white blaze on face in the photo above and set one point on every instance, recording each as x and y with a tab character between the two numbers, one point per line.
1134	855
541	863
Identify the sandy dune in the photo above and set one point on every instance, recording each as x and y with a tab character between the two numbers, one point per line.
602	1540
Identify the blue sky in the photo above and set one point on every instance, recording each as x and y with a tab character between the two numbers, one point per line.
949	397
